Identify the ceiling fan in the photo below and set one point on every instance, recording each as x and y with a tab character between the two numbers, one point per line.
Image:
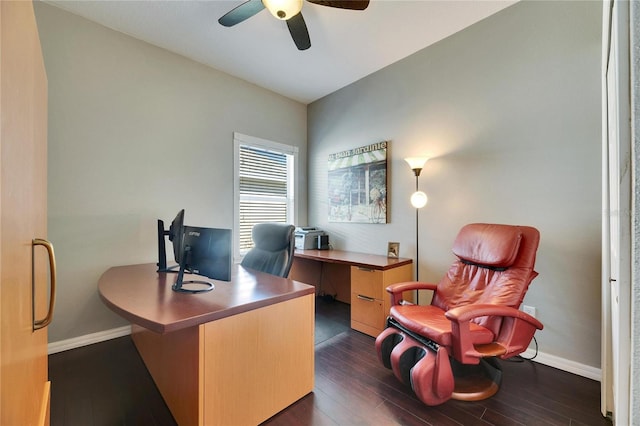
287	10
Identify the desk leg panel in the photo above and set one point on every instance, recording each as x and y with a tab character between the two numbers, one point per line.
306	271
258	362
174	361
328	278
336	281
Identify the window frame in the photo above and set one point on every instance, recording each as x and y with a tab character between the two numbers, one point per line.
239	140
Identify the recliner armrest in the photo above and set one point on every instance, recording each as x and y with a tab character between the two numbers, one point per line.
396	290
468	312
515	333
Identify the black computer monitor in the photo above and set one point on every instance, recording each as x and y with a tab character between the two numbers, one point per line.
206	252
175	234
201	251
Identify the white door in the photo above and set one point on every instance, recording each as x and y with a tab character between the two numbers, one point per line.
616	333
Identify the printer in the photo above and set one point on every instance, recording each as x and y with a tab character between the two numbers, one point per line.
309	237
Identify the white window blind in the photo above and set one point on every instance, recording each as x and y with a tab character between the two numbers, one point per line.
264	186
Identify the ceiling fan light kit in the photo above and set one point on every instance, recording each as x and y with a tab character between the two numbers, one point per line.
283	9
287	10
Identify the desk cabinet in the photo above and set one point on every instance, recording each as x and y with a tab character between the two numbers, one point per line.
356	278
236	355
370	302
209	374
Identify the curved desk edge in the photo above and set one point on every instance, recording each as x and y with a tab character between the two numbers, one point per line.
143	296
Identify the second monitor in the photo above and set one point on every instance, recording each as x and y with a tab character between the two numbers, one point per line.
197	250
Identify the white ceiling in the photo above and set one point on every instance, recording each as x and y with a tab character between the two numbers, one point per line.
346	45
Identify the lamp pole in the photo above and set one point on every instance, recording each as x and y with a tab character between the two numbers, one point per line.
417	233
418	200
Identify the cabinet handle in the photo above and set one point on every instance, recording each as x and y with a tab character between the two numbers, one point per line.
38	324
366	298
362	268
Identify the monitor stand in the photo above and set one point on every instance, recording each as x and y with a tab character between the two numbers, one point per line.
200	286
162	250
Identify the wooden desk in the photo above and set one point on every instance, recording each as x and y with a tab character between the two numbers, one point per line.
236	355
356	278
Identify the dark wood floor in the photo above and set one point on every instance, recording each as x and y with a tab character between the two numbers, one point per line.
107	384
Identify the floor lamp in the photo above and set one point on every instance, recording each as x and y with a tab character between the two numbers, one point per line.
418	200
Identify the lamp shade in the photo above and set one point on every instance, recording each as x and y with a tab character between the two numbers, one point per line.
283	9
419	199
416	162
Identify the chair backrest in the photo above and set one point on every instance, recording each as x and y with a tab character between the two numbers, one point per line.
273	248
495	265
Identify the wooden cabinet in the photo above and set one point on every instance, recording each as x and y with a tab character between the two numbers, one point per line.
239	370
356	278
236	355
24	388
370	302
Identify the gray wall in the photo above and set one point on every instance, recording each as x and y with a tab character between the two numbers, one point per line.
135	134
509	112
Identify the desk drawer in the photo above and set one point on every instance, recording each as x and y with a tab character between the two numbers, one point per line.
367	282
367	311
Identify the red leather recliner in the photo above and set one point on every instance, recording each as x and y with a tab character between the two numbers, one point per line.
447	349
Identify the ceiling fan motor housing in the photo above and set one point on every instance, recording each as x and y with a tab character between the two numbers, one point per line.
283	9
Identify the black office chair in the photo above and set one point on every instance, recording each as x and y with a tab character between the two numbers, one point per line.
273	248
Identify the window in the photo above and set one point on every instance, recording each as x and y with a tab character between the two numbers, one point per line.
263	187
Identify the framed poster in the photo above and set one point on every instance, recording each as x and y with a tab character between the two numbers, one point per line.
358	184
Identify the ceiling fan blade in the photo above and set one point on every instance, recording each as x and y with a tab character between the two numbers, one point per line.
245	11
299	32
343	4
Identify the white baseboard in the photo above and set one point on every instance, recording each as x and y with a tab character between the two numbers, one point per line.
542	358
88	339
565	365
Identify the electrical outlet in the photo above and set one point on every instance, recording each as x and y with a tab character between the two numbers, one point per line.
531	310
